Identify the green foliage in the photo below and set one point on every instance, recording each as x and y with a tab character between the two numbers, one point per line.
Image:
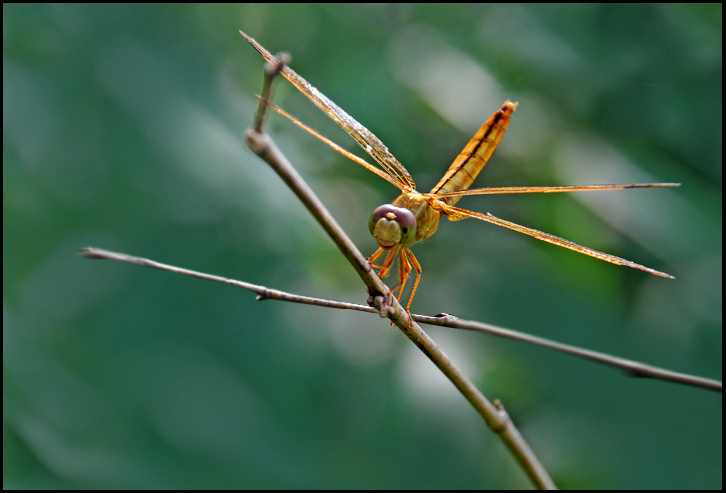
123	129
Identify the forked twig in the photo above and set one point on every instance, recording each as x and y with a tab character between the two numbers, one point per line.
494	414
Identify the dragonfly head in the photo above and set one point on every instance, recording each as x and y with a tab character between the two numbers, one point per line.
392	226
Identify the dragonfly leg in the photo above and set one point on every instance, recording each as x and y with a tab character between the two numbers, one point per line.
386	267
417	268
373	257
404	269
406	263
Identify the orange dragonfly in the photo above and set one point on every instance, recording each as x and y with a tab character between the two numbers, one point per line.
414	216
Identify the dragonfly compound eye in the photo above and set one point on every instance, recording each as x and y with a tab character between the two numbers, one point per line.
391	225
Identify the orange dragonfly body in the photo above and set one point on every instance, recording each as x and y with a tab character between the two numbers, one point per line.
414	216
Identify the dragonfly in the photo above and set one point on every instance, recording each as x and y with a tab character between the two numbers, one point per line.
415	216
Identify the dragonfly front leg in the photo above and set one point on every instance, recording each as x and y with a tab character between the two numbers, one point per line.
386	267
373	257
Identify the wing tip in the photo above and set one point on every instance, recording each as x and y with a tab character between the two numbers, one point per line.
663	274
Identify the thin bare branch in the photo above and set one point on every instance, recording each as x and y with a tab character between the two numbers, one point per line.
263	293
635	368
495	416
271	71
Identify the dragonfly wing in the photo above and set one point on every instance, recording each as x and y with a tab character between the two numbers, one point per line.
456	214
363	137
373	169
583	188
475	155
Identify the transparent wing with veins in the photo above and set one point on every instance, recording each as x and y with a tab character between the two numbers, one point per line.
456	214
391	179
399	176
574	188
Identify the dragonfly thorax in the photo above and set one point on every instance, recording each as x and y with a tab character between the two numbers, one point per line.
392	226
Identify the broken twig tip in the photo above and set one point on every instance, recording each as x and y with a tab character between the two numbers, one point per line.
89	252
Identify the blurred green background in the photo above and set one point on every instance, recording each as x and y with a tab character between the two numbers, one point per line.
123	129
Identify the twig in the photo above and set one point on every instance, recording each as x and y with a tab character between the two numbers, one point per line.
271	71
495	416
635	368
263	293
